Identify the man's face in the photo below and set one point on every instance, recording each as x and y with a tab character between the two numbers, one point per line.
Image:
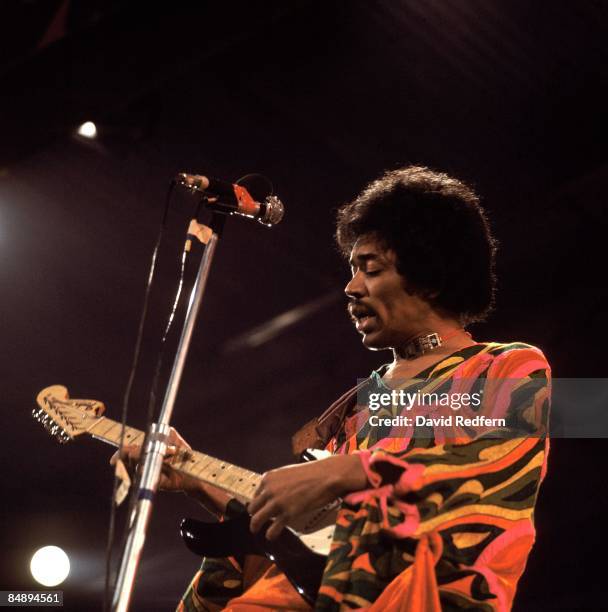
383	312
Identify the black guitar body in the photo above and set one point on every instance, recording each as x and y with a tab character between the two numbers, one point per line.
303	567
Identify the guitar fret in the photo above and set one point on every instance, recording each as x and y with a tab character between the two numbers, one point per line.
132	435
115	437
229	477
136	433
102	433
248	485
201	465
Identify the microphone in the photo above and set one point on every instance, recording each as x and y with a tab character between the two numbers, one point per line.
236	199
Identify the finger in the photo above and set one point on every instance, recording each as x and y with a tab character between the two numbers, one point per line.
262	487
275	529
262	516
260	498
129	454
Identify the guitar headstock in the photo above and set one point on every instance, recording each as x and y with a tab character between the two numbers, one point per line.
63	417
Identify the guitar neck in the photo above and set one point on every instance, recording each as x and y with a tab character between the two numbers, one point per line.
235	480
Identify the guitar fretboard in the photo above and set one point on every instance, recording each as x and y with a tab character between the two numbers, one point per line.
235	480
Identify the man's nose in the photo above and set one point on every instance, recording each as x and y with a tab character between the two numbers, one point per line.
355	288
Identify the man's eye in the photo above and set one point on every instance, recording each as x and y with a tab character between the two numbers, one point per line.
373	272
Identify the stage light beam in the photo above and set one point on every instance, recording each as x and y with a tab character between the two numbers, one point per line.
50	566
87	130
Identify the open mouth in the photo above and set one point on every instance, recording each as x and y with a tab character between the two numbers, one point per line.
363	316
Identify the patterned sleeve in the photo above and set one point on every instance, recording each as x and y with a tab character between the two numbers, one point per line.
447	526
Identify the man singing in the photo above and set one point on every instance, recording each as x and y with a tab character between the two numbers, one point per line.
428	521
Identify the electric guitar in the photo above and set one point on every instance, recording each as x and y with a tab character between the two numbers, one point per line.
299	552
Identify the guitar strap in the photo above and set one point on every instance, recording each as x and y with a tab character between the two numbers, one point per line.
319	431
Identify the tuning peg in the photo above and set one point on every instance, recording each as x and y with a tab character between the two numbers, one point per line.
63	437
51	426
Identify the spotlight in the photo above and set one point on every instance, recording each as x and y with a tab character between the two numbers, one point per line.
87	130
50	566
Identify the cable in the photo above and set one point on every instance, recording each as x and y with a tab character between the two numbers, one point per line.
161	352
127	393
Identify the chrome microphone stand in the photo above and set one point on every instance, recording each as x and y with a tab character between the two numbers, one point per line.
156	440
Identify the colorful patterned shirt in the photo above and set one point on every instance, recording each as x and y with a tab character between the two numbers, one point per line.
447	524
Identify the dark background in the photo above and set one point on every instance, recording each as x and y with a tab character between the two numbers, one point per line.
321	97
